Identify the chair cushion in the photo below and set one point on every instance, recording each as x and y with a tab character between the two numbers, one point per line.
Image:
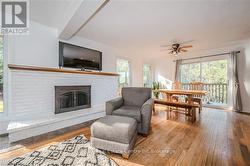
114	128
135	96
129	111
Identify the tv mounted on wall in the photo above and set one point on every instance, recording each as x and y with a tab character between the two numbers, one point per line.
72	56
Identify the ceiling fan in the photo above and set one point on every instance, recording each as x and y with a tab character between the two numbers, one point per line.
177	48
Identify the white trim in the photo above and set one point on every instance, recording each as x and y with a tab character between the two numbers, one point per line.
151	73
130	69
229	76
199	60
4	115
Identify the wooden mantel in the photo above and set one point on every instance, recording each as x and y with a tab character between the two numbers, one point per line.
57	70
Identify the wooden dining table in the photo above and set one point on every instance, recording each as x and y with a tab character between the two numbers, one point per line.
189	93
189	105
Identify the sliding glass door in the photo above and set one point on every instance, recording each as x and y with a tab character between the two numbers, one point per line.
213	76
190	72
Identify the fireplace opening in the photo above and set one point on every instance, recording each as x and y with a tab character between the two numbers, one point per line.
72	98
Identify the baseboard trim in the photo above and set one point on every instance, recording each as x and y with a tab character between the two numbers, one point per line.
245	113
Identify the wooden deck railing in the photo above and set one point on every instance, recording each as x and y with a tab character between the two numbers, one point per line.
217	93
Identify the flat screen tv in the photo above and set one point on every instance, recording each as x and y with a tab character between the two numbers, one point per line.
72	56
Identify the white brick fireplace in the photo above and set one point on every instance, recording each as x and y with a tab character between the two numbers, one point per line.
31	94
33	101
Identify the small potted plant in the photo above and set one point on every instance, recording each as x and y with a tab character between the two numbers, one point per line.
156	87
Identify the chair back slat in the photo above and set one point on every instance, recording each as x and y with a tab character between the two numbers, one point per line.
177	85
197	86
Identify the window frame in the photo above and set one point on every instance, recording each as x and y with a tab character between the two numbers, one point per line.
129	68
200	77
209	59
151	75
6	78
215	58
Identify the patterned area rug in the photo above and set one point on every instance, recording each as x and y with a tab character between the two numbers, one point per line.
76	151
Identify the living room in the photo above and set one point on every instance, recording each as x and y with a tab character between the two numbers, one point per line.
133	82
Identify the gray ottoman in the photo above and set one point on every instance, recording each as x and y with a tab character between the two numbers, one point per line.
114	133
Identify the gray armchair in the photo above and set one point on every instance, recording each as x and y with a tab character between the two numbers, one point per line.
136	103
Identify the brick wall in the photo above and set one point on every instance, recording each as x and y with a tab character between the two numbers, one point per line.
32	94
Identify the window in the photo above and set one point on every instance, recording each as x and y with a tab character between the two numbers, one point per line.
147	75
190	72
1	74
123	68
207	72
214	71
214	77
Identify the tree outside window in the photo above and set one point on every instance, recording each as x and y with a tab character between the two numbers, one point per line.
190	72
123	68
147	75
207	72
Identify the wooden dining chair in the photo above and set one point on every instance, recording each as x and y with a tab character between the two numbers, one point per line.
197	98
177	86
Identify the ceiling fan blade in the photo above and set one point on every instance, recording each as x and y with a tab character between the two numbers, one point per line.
187	46
166	49
182	50
166	45
189	41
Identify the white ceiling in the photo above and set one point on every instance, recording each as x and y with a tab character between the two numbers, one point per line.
53	13
140	27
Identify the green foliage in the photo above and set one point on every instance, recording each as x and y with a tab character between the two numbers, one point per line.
1	60
123	70
147	75
214	72
156	87
207	72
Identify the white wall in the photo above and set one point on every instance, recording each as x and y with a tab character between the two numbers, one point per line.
165	67
244	76
136	66
39	48
111	55
31	94
137	73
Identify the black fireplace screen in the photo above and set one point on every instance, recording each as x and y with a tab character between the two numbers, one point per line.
72	98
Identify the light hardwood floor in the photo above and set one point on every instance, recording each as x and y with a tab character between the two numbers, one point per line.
217	138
